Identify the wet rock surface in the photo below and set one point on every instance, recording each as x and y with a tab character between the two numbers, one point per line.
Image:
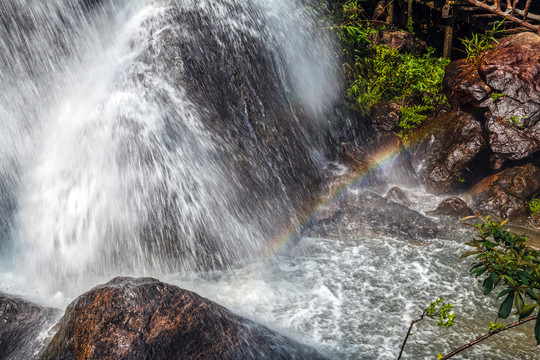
505	194
359	212
450	143
502	88
20	324
397	195
453	206
144	318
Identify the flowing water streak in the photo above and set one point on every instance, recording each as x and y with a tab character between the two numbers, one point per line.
109	166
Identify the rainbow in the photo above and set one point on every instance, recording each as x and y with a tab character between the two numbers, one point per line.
378	160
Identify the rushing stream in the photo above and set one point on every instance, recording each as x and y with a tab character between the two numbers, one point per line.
147	138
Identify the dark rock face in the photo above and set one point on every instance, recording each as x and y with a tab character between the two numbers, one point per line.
359	212
20	324
453	207
505	194
451	142
385	116
146	319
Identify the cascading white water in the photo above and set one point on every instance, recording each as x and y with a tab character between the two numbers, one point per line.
110	165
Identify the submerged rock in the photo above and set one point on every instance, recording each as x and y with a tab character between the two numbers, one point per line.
449	144
356	212
453	206
397	195
144	318
505	194
20	324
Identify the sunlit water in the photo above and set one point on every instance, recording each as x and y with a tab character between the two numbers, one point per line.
98	145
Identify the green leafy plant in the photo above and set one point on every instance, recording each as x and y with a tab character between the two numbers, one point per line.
515	120
461	180
502	260
534	206
479	43
387	75
497	96
436	310
495	327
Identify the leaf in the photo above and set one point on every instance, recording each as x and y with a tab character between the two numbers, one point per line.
488	285
468	253
504	292
527	310
506	306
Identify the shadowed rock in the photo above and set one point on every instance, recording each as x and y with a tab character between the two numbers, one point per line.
20	324
505	194
450	143
453	207
355	213
144	318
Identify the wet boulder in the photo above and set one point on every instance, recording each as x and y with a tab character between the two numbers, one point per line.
450	143
453	206
20	324
505	193
358	213
385	116
397	195
464	86
144	318
502	87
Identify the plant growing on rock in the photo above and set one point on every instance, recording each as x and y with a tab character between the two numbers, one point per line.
479	43
534	206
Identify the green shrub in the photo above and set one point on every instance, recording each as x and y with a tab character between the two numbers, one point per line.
479	43
534	206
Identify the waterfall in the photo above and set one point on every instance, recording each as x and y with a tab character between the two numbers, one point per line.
149	137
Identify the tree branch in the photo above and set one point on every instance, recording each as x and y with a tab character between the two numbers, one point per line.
409	333
484	337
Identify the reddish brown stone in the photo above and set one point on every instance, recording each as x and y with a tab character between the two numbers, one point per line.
463	85
453	207
505	194
146	319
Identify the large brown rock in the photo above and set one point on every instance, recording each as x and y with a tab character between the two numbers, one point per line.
452	207
505	194
146	319
20	324
448	145
463	85
504	85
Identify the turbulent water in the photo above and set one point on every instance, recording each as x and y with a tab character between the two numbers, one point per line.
150	138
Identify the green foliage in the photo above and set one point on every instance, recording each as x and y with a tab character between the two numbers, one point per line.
497	96
412	117
534	206
442	311
387	75
495	327
377	73
515	120
479	43
461	180
503	260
